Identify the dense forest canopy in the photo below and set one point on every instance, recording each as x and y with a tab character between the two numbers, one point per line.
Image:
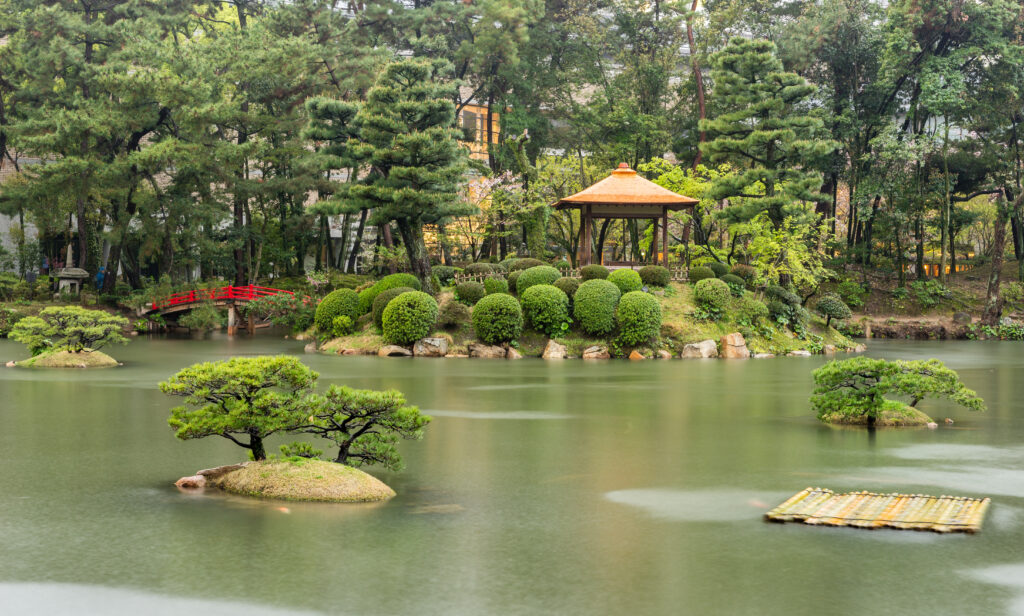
211	138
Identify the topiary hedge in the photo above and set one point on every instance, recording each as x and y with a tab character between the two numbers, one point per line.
539	274
563	265
594	272
712	294
626	279
751	309
513	279
639	318
569	286
546	309
736	284
523	264
700	273
497	318
720	269
390	281
594	306
744	271
470	292
409	317
381	301
495	284
478	269
831	306
451	314
336	303
445	274
655	275
782	294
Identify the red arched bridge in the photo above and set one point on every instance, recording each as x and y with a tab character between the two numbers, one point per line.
229	296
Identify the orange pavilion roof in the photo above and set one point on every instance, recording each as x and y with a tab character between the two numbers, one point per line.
625	187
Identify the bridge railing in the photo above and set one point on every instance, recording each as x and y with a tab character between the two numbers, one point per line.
249	292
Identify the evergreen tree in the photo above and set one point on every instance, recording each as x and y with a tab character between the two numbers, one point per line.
769	133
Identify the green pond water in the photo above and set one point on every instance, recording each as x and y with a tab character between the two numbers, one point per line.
540	488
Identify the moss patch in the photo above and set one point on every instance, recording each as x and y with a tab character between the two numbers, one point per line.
66	359
906	416
304	480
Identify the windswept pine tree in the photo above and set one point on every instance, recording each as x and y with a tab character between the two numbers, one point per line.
768	131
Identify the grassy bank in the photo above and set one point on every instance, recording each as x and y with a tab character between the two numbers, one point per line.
304	480
67	359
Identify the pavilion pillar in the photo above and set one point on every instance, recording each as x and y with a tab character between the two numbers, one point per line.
664	235
654	242
588	240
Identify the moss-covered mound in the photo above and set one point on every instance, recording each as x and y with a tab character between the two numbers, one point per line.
304	480
895	417
67	359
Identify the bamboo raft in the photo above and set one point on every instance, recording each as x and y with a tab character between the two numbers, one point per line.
942	514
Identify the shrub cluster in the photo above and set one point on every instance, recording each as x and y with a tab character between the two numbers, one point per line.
744	271
409	317
497	318
563	265
513	279
699	273
594	306
366	296
470	292
381	302
336	303
568	286
784	306
522	264
593	272
478	269
445	274
451	314
736	284
639	318
655	275
495	284
831	306
539	274
751	310
342	326
626	279
712	294
546	309
720	269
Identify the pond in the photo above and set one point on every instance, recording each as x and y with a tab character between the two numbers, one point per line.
568	488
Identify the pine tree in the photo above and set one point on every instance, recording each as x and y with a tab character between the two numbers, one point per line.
770	134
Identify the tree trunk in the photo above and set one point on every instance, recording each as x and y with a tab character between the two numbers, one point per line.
416	248
919	230
698	77
256	445
353	253
993	303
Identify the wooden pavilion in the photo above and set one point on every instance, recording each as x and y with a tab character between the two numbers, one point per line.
624	194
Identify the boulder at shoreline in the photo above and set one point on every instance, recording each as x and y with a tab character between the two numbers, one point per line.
67	359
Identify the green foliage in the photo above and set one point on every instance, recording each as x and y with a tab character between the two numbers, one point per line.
696	274
594	306
390	281
562	266
286	310
69	328
750	310
655	275
409	317
479	269
242	397
639	318
8	317
929	293
720	269
857	387
341	302
513	279
736	284
445	274
470	292
546	309
594	272
539	274
712	295
342	325
744	271
523	264
782	294
300	449
203	317
831	306
497	319
365	424
626	279
452	314
381	302
569	286
495	284
851	293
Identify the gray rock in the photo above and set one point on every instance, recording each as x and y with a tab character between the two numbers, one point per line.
734	346
191	483
392	350
553	350
663	354
514	353
700	350
961	317
310	348
762	355
799	353
484	351
596	352
430	347
830	349
860	348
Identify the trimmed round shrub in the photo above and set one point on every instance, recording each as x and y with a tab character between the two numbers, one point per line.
546	308
639	318
539	274
712	293
720	269
409	317
778	308
563	265
736	284
390	281
495	284
452	314
655	275
470	292
700	273
523	264
594	272
381	301
478	269
445	274
626	279
594	306
751	309
782	294
497	318
831	306
569	286
744	271
336	303
513	279
342	326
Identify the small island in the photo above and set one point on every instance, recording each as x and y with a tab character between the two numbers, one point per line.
852	391
69	337
247	399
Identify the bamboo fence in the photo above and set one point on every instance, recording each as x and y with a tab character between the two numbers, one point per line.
942	514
